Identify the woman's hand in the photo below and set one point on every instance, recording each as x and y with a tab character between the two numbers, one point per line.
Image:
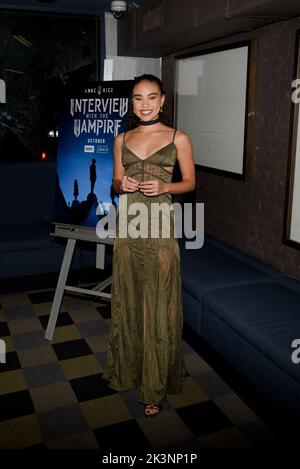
129	184
152	188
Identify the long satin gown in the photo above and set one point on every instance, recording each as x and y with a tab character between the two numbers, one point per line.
145	338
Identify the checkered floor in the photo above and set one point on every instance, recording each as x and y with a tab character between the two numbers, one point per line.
52	394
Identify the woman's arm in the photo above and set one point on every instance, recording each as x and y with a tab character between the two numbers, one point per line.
118	166
121	183
186	164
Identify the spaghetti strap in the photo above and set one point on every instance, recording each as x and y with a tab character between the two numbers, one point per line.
174	134
124	136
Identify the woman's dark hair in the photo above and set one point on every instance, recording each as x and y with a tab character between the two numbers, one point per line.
148	77
133	120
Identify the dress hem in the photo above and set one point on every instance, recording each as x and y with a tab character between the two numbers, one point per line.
136	386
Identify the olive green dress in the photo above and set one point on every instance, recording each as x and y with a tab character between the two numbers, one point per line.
145	339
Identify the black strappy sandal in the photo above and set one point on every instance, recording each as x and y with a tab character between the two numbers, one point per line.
156	407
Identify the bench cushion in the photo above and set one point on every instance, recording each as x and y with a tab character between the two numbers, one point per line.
266	315
210	268
243	256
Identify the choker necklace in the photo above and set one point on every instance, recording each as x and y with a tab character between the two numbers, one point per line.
154	121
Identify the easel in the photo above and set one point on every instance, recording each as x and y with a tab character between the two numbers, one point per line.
74	234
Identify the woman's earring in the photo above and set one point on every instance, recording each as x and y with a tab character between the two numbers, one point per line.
161	109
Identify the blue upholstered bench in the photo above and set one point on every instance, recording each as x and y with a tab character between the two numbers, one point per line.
249	312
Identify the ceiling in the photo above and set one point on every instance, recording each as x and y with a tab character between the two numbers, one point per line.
62	6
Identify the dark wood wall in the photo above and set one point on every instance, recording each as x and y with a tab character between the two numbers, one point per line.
250	214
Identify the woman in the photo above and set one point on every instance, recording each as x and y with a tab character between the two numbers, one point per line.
145	340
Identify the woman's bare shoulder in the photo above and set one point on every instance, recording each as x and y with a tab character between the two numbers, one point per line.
181	136
179	133
119	138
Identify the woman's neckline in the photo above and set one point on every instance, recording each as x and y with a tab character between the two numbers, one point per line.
152	154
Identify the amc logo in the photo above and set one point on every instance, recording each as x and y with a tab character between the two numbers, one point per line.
2	351
2	92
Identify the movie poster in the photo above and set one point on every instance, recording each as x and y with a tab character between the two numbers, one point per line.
91	116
